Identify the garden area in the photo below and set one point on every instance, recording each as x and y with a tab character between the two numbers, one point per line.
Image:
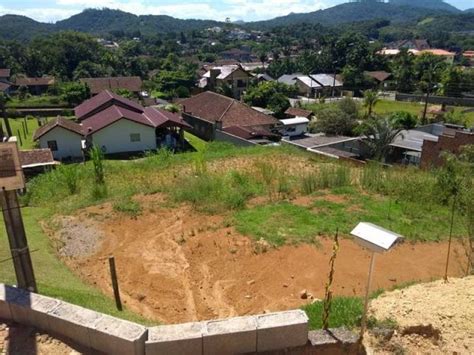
196	235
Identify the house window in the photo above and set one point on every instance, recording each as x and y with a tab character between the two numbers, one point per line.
240	83
53	145
135	137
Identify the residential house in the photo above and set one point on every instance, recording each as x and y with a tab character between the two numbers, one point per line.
469	55
448	56
210	113
97	85
233	76
117	125
240	55
63	137
36	161
36	86
313	85
380	77
292	112
263	77
4	75
417	44
451	140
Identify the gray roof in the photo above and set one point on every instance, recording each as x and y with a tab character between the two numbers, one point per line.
289	79
308	141
326	79
412	139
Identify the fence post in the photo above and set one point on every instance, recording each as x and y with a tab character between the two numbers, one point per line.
113	275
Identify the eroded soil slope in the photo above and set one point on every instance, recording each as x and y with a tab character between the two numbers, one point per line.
177	265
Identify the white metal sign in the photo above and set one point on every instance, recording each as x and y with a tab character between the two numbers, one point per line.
375	238
11	174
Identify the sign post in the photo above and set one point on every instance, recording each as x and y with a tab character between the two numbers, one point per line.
377	240
11	179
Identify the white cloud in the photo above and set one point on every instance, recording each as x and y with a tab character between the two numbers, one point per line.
41	14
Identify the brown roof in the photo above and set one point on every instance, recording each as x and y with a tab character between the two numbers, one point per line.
4	73
298	112
4	86
213	107
103	100
58	122
36	157
43	81
378	75
163	118
130	83
249	132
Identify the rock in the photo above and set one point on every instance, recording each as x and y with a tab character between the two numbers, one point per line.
248	297
285	285
251	282
304	294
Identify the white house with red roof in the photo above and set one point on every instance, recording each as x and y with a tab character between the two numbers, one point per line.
116	125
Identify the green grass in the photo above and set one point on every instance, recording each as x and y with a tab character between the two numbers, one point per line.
345	311
128	206
284	222
37	101
53	277
199	144
278	223
16	125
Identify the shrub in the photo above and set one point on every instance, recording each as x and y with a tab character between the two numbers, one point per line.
70	176
98	160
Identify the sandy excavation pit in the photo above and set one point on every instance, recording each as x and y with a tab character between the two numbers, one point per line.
176	265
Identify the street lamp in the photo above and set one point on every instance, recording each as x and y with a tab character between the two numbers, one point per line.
377	240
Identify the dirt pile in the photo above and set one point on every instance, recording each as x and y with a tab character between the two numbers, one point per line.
177	265
435	317
19	339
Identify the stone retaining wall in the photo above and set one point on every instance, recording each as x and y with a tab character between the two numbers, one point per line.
272	333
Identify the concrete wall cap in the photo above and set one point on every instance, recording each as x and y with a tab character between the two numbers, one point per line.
119	328
277	319
192	330
231	325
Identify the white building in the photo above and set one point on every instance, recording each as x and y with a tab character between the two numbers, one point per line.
293	127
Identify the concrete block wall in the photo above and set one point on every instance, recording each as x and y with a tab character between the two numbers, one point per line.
270	333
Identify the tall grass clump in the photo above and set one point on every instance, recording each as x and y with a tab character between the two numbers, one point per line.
70	177
99	189
159	159
128	206
372	177
328	176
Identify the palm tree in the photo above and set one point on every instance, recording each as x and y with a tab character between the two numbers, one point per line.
379	134
4	98
370	100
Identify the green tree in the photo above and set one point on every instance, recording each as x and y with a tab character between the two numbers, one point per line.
333	121
370	100
74	93
403	71
270	94
404	119
379	133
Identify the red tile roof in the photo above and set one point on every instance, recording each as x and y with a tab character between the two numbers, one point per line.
102	100
213	107
4	73
163	118
43	81
36	157
298	112
4	86
130	83
58	122
378	75
110	115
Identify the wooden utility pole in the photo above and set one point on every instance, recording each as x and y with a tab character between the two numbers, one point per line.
17	238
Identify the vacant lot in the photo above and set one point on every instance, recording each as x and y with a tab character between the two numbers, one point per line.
228	231
177	265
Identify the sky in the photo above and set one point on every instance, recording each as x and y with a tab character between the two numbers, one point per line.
247	10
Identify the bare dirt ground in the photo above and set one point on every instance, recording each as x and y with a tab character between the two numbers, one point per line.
19	339
176	265
432	318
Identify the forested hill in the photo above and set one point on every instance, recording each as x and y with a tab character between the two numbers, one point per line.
107	20
429	4
353	12
99	22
